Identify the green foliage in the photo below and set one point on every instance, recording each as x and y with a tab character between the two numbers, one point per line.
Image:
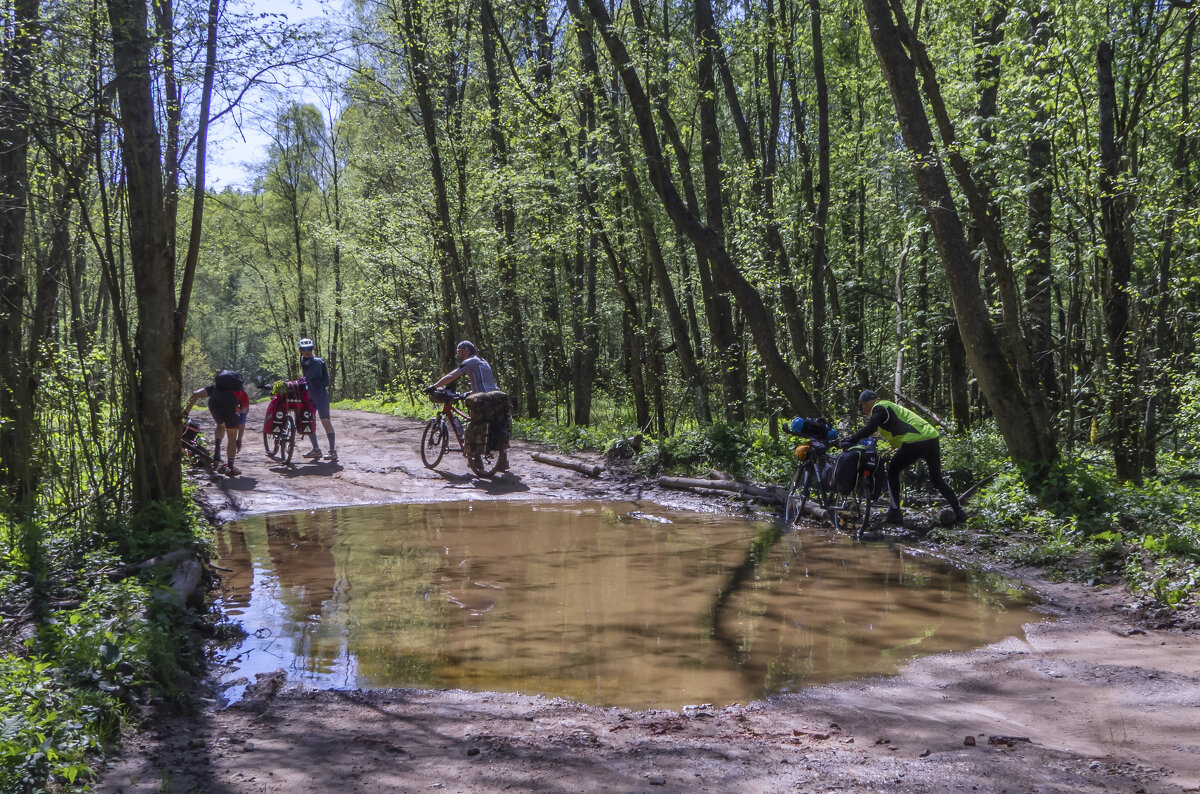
63	696
1088	526
567	438
48	728
156	529
120	641
742	451
393	403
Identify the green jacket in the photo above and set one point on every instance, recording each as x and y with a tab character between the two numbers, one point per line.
896	425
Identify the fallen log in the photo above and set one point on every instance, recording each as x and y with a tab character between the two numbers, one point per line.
132	568
590	469
769	493
185	584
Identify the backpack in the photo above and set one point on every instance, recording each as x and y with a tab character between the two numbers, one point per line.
228	380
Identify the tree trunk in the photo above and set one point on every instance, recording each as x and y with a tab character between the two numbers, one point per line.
820	259
744	293
1163	344
157	392
417	46
1030	445
1122	404
16	396
505	219
1040	206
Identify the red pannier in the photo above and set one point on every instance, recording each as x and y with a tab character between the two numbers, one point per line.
292	397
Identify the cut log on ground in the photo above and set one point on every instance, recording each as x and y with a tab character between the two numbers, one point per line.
769	493
185	584
126	570
590	469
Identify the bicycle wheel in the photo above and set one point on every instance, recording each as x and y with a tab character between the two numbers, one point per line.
793	506
485	465
434	441
271	443
866	488
287	439
199	455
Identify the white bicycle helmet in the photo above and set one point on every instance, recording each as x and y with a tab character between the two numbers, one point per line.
305	344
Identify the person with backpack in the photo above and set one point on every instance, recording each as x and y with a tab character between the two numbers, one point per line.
223	405
914	439
316	375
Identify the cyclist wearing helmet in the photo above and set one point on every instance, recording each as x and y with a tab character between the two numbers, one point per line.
317	375
488	405
913	439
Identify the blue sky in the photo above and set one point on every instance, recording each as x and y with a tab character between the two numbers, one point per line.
230	150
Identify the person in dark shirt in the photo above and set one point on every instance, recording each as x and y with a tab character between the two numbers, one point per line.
913	439
316	374
223	406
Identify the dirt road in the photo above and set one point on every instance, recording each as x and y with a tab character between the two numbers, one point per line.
1090	702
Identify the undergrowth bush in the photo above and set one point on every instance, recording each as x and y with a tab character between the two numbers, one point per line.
1093	528
95	646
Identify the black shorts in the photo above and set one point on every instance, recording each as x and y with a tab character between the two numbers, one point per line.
223	405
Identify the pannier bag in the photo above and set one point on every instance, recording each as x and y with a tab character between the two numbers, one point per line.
818	429
228	380
293	395
848	467
490	426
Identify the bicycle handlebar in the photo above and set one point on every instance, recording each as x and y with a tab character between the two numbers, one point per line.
444	395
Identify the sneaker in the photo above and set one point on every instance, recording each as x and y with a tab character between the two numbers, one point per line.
231	470
332	456
313	453
502	464
894	516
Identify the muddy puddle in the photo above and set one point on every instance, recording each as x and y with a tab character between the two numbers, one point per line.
606	603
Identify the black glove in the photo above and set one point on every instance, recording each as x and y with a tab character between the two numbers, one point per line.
429	390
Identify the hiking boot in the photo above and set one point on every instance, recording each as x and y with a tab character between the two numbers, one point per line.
231	470
313	453
502	463
894	516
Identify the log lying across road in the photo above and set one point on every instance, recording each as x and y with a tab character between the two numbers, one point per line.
590	469
769	493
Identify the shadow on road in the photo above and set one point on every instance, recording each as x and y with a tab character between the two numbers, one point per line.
325	468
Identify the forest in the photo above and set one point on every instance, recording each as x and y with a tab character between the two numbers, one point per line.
659	219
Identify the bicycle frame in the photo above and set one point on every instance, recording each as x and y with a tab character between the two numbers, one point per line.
452	412
435	440
807	482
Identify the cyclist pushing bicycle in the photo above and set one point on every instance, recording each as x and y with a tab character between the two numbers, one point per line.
913	439
489	427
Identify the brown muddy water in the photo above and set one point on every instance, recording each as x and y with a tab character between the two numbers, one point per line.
608	603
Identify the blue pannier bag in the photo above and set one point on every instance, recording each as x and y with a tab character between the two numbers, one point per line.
818	429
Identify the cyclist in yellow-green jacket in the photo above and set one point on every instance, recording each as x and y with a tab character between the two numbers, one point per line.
913	439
